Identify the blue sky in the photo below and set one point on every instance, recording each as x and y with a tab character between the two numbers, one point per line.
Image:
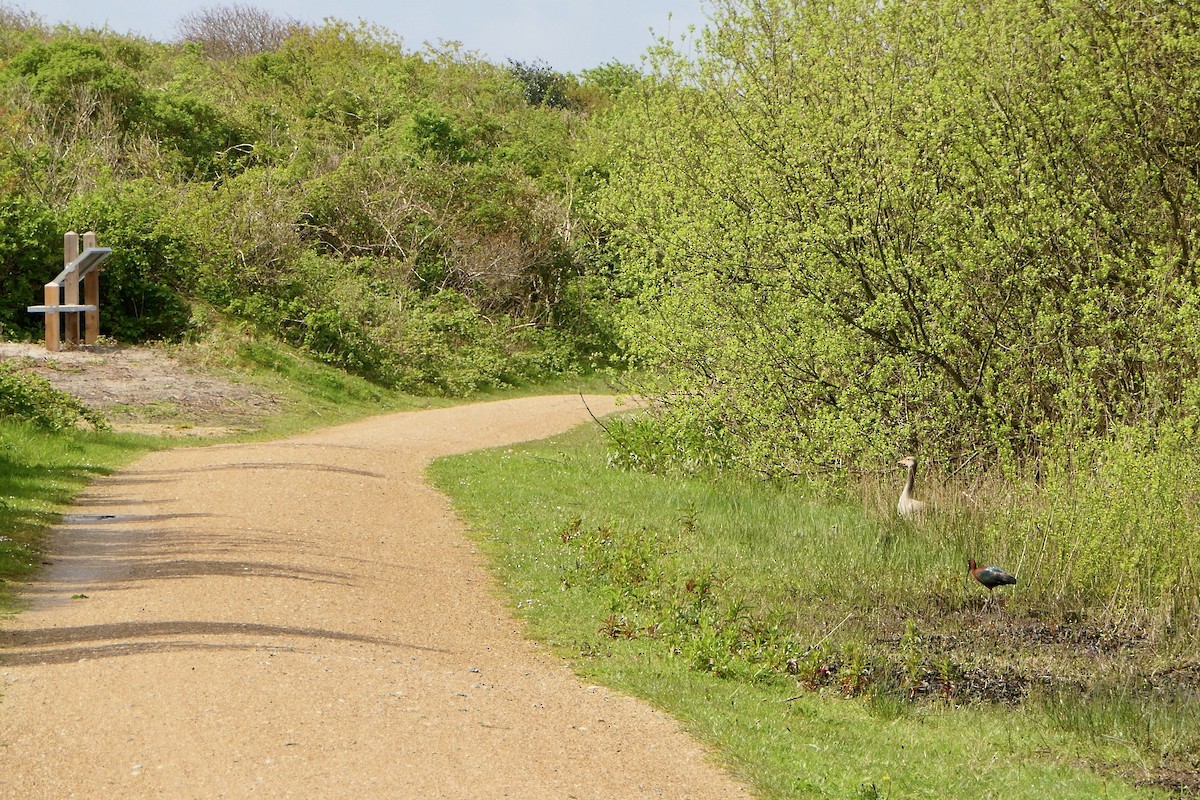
569	35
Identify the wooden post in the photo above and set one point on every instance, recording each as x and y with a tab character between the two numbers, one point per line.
51	295
77	268
91	296
71	288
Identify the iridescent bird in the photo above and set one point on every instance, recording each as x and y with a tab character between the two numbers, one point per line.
909	506
990	577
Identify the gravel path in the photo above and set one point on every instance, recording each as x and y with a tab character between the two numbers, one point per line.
305	618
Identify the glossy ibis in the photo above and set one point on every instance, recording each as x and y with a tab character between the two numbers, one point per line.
990	577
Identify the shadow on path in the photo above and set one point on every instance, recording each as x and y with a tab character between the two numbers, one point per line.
44	645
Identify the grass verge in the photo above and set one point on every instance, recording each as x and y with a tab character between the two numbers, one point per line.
40	472
825	651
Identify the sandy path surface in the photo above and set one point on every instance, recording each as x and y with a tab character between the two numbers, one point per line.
306	618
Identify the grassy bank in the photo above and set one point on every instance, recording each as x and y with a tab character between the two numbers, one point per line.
40	472
826	649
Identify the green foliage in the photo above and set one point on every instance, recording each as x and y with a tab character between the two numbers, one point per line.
613	78
30	398
28	259
663	446
200	133
406	217
438	135
61	71
858	228
144	284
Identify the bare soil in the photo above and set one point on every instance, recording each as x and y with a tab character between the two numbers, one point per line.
307	618
149	390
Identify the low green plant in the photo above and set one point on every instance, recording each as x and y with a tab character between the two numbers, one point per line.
30	398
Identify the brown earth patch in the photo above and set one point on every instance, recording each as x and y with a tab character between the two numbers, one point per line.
148	389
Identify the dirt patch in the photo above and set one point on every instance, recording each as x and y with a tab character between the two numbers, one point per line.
148	389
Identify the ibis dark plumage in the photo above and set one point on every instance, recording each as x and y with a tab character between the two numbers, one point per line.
990	577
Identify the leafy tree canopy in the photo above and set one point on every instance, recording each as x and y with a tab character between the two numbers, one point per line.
861	227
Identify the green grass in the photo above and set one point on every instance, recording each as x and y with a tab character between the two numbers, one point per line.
312	394
315	394
40	473
818	746
825	649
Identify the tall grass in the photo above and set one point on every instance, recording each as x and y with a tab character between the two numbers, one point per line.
1111	529
1163	721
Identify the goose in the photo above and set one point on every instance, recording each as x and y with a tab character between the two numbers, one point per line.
909	506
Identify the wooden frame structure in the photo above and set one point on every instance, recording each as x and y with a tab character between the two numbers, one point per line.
61	305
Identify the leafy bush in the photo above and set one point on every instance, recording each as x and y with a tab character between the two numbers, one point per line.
30	255
541	83
144	284
201	134
59	70
30	398
859	228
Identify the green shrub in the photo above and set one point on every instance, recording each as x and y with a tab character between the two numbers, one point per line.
30	255
144	285
201	134
57	71
31	398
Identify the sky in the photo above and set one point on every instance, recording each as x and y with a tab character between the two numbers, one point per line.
568	35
